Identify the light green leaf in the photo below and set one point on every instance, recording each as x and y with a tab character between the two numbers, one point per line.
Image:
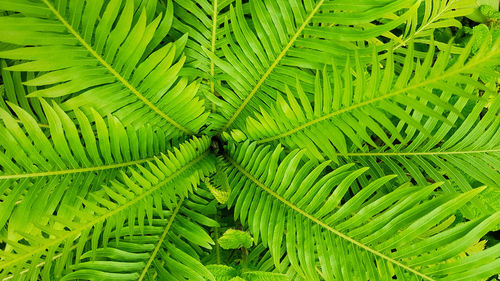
235	239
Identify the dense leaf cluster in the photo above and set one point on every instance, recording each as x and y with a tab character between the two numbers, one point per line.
249	140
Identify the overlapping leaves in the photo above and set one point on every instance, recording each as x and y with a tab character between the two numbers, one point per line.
97	95
164	246
41	165
110	61
142	193
325	223
427	123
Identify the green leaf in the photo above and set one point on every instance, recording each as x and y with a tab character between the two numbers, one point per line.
264	276
349	140
222	272
235	239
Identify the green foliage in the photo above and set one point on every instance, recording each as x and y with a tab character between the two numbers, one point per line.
235	239
226	273
485	10
249	140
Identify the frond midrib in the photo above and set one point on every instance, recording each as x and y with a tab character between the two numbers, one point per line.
212	46
160	241
377	99
102	218
76	170
120	78
420	153
55	257
41	125
423	27
322	224
272	66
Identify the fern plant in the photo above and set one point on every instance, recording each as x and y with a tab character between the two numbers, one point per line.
249	140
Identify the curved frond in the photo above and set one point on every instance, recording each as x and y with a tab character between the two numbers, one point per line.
105	57
311	213
460	156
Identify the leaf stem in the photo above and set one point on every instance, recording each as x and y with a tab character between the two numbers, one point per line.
217	246
244	256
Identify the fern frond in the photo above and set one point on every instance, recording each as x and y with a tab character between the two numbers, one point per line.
99	56
140	190
202	21
257	55
392	109
436	15
350	140
419	27
420	123
167	242
31	152
15	92
458	156
308	211
40	165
